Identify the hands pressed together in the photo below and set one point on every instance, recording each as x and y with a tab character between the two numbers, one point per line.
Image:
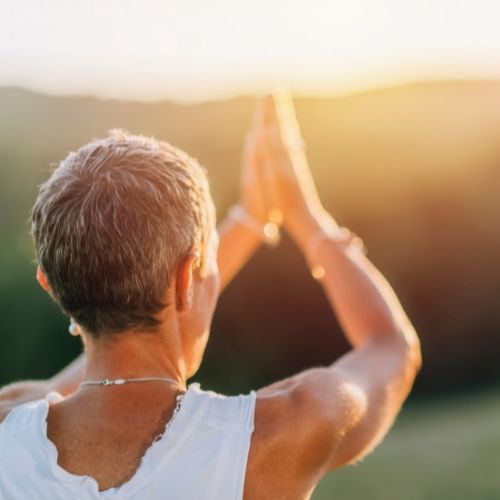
276	184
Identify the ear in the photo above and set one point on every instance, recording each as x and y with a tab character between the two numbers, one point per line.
184	282
42	279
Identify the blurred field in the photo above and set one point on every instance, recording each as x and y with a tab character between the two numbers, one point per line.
442	450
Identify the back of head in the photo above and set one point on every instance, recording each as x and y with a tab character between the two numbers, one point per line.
111	224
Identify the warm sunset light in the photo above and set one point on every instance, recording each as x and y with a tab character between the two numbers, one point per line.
195	50
250	249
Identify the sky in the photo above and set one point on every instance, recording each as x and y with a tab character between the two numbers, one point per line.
196	50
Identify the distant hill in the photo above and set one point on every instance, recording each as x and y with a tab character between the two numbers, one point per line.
407	132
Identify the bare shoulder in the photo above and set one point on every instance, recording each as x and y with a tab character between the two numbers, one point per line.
296	431
327	417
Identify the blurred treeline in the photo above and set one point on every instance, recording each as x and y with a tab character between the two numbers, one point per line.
414	170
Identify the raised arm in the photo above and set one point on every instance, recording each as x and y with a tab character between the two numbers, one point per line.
331	416
65	382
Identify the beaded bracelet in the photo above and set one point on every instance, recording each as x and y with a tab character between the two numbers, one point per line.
269	232
341	235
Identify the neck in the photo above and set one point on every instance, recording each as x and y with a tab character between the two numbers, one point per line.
136	354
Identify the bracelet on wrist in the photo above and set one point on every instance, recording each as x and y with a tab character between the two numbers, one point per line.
340	235
268	232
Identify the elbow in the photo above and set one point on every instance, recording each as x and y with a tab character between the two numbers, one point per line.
416	356
414	350
409	341
409	347
412	357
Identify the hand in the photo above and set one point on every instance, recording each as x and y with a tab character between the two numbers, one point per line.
256	202
283	164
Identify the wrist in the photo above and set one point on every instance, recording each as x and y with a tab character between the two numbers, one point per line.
264	231
303	225
259	216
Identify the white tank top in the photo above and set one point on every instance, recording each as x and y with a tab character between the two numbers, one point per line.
202	455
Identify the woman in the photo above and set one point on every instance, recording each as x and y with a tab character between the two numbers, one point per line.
126	244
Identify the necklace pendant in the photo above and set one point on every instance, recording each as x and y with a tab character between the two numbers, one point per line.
119	381
107	382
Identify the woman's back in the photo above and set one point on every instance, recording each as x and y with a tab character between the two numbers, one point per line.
203	449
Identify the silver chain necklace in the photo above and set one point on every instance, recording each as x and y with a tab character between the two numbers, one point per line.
121	381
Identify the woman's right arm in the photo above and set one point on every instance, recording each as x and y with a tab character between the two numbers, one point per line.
65	382
331	416
362	392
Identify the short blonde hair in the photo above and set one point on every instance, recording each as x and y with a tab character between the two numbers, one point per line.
111	224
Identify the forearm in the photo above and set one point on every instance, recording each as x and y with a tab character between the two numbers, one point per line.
65	382
364	302
236	245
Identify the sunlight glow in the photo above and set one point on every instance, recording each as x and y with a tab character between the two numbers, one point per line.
146	49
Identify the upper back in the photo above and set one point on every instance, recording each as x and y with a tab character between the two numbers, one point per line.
203	454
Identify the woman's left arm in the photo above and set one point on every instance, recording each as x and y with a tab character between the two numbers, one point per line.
237	243
65	382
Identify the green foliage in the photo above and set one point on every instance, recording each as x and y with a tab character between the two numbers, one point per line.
34	343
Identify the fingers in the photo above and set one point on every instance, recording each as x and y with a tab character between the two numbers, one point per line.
264	171
258	115
255	172
276	112
270	116
287	119
265	115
